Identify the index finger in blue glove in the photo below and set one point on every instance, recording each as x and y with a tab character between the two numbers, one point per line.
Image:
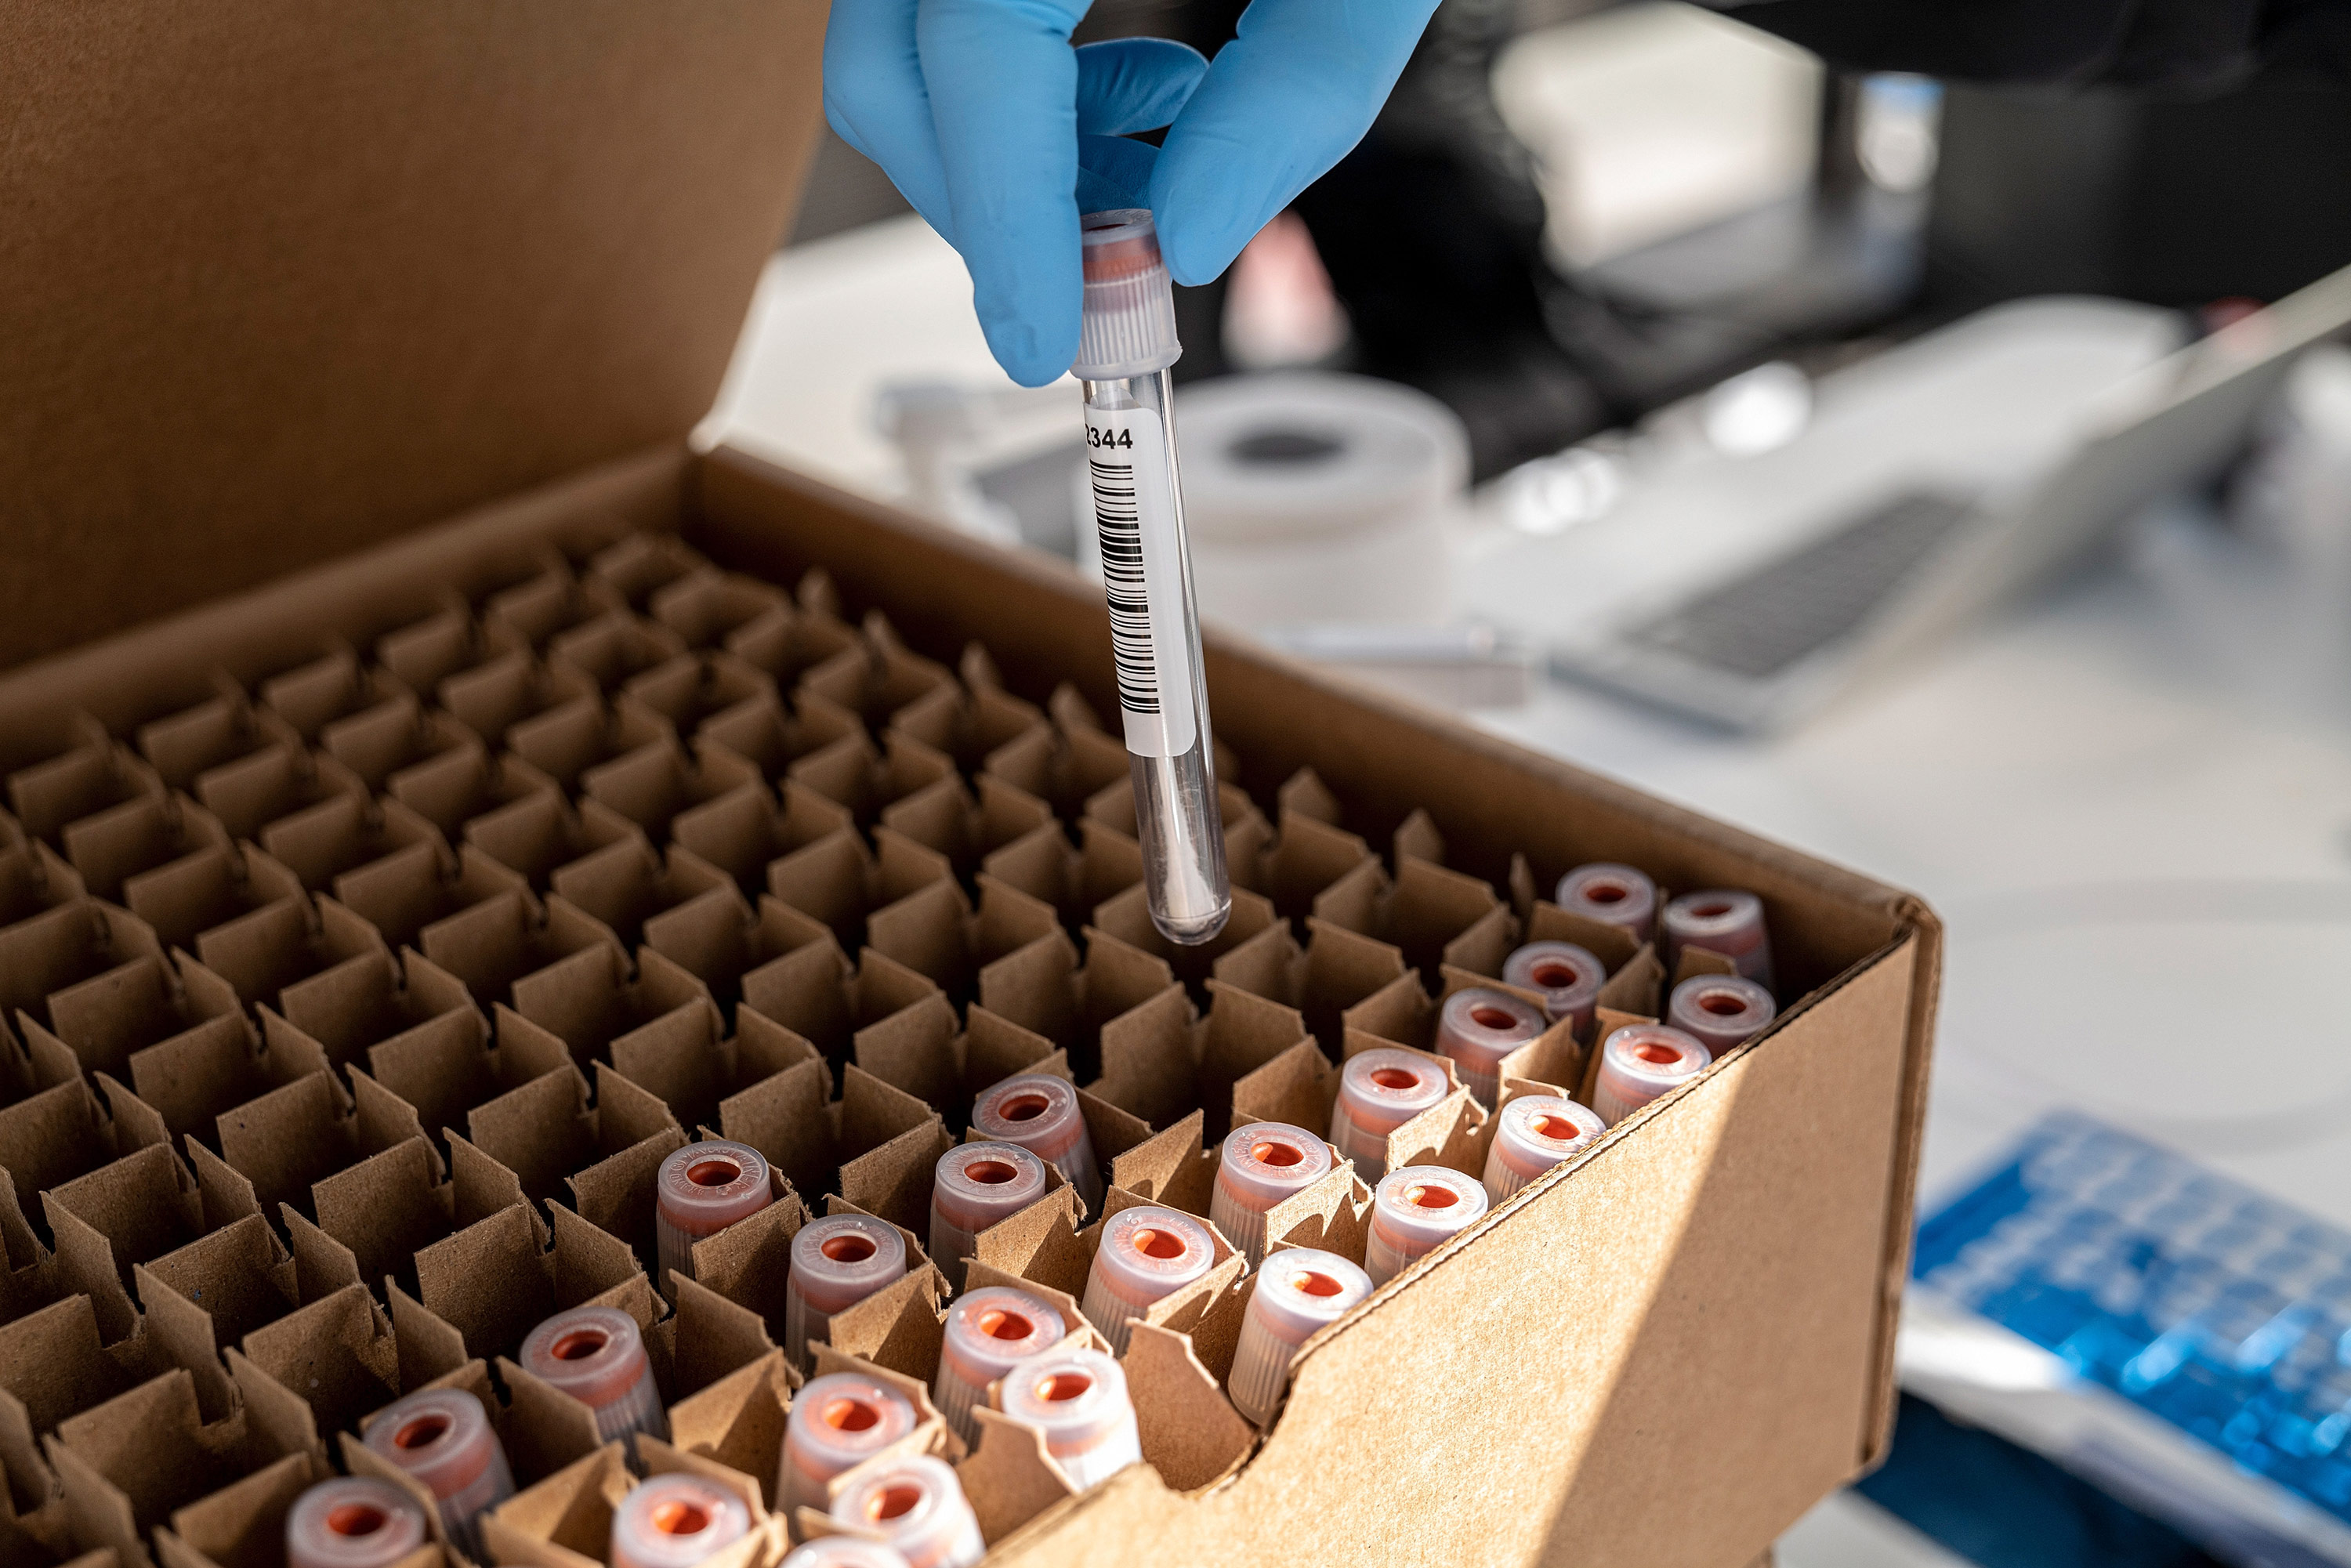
1003	89
1288	98
875	99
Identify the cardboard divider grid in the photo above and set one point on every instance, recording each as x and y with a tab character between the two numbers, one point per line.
621	850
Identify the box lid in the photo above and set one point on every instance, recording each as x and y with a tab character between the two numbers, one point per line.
278	279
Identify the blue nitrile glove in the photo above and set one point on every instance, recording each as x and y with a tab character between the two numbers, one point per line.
999	133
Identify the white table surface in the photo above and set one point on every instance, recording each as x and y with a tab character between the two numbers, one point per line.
2130	800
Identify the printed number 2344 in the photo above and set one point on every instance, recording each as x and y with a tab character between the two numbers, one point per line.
1096	436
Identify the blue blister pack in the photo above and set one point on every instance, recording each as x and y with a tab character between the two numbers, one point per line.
2223	1312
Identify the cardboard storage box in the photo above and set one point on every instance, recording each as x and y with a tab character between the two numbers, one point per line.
320	879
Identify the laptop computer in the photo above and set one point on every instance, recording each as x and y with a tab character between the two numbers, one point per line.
1935	482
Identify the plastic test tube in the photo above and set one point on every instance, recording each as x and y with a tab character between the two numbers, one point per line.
1612	895
844	1551
356	1522
1641	1061
1380	1090
1721	1010
972	1188
1076	1400
837	1263
1413	1210
1262	1163
596	1355
1534	1132
1126	341
918	1505
675	1520
442	1437
701	1190
1568	977
1145	1253
1299	1291
837	1422
1477	1026
1040	1113
989	1332
1724	920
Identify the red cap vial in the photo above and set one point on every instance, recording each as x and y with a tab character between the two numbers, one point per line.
989	1332
1146	1254
442	1436
837	1263
1723	921
1642	1062
1380	1090
597	1355
973	1186
1534	1132
1076	1400
1262	1163
837	1422
1722	1011
1568	977
919	1507
1040	1113
676	1520
1415	1211
701	1190
1612	895
1300	1291
1476	1026
356	1522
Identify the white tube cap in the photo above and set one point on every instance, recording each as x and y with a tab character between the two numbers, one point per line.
1127	323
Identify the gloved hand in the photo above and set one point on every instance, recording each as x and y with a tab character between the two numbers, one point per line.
999	134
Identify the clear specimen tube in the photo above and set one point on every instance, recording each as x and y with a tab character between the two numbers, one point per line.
1126	341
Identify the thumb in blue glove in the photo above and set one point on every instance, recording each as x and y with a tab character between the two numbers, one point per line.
999	134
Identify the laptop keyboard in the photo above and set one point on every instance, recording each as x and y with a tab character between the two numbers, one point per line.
1789	607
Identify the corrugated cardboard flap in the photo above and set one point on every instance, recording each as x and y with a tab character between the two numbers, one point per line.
279	280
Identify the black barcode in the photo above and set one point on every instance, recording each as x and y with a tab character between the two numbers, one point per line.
1121	564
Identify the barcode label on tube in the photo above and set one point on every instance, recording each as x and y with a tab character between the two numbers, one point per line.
1127	463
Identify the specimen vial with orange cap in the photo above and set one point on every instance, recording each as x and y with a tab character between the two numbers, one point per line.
1380	1090
1145	1253
1721	1010
837	1422
1641	1061
1040	1113
676	1520
1262	1163
1300	1291
1076	1400
989	1332
701	1190
1534	1132
1724	920
596	1355
1568	976
1126	341
1477	1026
919	1507
356	1522
1415	1211
1612	895
972	1188
844	1551
442	1437
837	1263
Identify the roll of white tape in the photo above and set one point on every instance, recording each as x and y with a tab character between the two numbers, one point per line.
1314	498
